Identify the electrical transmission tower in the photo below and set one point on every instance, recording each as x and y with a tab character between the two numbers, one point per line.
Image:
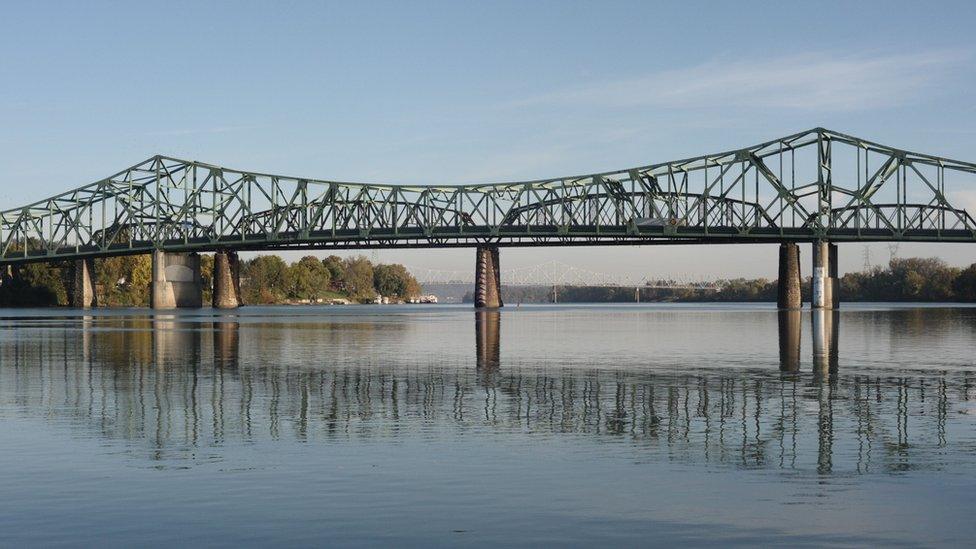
892	251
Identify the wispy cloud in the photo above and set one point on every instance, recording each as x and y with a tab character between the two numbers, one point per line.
820	82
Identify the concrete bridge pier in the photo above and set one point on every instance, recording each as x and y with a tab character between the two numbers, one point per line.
82	285
487	278
826	285
788	290
176	281
226	280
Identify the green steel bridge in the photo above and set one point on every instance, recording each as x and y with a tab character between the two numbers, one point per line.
813	186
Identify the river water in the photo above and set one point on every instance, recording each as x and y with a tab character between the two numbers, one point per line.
629	425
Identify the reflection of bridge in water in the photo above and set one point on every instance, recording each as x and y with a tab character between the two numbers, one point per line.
179	383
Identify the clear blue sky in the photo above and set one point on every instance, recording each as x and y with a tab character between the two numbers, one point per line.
453	92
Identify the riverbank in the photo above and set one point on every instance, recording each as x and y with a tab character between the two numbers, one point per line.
903	280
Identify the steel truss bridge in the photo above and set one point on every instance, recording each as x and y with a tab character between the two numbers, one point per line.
557	273
813	185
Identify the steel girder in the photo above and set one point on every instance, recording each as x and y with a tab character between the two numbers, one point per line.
814	185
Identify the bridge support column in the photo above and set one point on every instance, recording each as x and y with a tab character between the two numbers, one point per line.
487	278
826	286
82	286
175	281
788	290
226	280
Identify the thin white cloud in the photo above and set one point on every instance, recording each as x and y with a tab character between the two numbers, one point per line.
817	82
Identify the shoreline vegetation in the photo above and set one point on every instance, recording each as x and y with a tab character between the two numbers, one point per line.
909	279
269	280
265	280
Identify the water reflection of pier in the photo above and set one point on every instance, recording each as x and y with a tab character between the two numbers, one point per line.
179	384
825	339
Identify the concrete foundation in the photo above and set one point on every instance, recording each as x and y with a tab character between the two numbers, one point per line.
487	278
826	284
788	291
176	281
82	285
226	281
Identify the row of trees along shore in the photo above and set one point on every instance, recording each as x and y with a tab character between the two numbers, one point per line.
266	279
909	279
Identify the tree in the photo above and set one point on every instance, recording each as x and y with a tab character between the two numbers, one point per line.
123	281
964	286
925	279
357	278
307	278
335	266
263	279
36	285
206	276
395	281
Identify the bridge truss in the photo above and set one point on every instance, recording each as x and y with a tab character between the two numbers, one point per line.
814	185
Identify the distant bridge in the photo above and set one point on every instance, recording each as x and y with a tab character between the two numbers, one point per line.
815	186
557	273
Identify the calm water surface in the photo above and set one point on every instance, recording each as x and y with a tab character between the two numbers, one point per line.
437	426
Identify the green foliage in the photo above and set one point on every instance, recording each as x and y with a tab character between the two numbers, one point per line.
36	285
206	276
123	281
335	266
395	281
268	279
307	278
263	280
357	278
909	279
964	286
